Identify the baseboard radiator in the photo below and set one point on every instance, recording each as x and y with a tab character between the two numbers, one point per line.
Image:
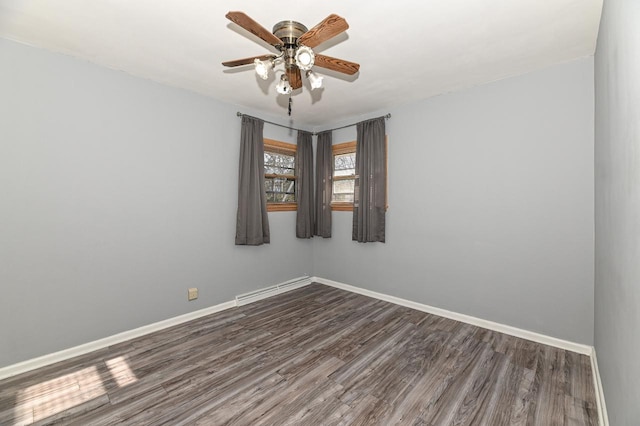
263	293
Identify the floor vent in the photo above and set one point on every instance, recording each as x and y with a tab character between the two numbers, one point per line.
263	293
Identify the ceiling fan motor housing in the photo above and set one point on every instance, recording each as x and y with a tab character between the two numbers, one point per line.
289	32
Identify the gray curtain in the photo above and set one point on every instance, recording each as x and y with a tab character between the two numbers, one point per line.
252	223
304	185
324	174
370	190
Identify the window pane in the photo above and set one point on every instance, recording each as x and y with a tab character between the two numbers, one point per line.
279	189
344	164
284	185
277	185
279	170
343	190
281	197
279	164
288	198
289	186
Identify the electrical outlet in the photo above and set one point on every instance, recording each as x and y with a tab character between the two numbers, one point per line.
193	293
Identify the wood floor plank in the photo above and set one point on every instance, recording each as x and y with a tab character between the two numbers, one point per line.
479	388
427	391
272	405
550	403
371	354
497	411
444	408
525	398
315	355
246	401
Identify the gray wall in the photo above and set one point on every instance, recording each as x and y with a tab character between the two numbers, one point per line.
617	292
491	205
116	195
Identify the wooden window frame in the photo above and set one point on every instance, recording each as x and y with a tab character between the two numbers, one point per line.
339	149
284	148
347	148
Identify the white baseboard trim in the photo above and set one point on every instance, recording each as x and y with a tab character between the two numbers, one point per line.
64	354
603	417
502	328
263	293
42	361
32	364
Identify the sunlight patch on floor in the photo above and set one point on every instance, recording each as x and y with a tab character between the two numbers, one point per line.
121	372
59	394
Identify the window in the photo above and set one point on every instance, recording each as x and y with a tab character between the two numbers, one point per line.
344	176
279	175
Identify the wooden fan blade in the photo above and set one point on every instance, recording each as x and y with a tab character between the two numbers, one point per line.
295	79
335	64
253	27
330	27
245	61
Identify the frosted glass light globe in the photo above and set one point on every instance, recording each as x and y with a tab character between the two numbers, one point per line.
262	68
305	58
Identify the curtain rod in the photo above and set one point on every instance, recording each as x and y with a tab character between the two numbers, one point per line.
387	116
239	114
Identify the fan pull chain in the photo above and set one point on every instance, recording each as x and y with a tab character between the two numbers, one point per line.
290	105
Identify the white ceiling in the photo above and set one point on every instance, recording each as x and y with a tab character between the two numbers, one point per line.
407	49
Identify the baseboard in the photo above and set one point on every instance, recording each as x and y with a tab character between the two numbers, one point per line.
42	361
502	328
603	417
64	354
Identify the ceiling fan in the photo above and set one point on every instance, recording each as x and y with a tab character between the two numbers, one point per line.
295	44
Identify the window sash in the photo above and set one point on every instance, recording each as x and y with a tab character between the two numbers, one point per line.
337	150
280	148
348	148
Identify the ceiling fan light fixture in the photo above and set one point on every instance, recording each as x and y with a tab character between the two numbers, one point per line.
305	58
314	79
295	44
283	87
262	68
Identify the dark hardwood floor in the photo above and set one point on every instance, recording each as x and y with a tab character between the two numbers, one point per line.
312	356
